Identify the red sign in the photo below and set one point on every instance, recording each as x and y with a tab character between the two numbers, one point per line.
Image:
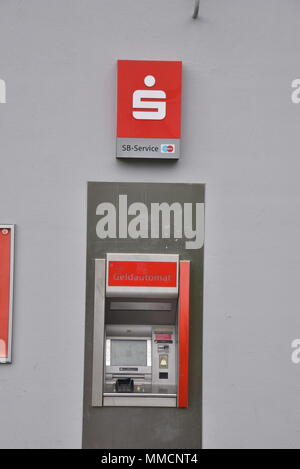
5	289
142	274
149	108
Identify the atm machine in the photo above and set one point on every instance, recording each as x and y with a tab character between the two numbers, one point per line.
141	331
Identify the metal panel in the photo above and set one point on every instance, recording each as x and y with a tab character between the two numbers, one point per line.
98	341
139	306
143	401
117	330
166	427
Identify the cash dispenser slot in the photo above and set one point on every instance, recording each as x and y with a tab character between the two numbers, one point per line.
124	385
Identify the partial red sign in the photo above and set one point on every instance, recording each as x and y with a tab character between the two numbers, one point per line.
5	286
142	274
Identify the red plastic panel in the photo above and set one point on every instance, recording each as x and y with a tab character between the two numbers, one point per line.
5	264
184	329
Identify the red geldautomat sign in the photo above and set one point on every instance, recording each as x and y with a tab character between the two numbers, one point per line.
6	290
142	274
149	109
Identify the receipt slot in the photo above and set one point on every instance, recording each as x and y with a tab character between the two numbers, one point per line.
141	331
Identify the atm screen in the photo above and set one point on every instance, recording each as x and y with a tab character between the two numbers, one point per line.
128	352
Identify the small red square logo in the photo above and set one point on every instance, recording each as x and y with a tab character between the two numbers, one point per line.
149	100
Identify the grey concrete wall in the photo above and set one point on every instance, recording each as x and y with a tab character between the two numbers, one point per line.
240	136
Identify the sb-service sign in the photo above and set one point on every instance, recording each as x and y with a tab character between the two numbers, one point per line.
149	109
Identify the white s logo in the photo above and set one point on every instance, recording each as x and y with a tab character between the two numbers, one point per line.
158	108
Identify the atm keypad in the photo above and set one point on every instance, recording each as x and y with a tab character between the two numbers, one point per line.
164	356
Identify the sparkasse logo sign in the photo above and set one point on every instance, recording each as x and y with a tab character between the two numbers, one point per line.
149	109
